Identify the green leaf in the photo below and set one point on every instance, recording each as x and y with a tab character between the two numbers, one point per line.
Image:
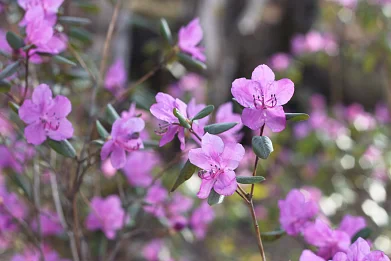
103	133
112	114
62	59
215	198
272	235
204	112
9	70
74	20
21	182
363	233
295	117
14	40
218	128
5	86
262	146
98	142
249	180
186	172
165	30
191	63
63	147
182	120
150	144
88	7
13	106
81	35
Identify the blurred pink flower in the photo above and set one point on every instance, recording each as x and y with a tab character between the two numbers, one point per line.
138	168
280	61
189	37
155	251
351	225
382	113
155	198
46	9
116	76
201	218
106	214
45	116
107	168
175	211
225	114
124	137
328	241
217	162
31	254
50	223
38	32
360	251
263	98
297	211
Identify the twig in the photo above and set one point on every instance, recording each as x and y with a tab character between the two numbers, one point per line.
256	227
256	164
26	77
37	202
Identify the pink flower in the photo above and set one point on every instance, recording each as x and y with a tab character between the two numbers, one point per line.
225	114
360	251
175	210
163	110
296	211
263	98
138	168
189	37
217	162
116	76
108	169
382	113
201	218
50	223
155	197
124	137
327	240
47	9
31	254
307	255
280	61
45	116
155	251
107	215
38	32
351	225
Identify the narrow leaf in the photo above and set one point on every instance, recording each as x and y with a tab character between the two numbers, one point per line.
249	180
62	59
5	86
204	112
363	233
150	144
9	70
13	106
182	120
74	20
112	114
21	182
262	146
295	117
272	235
98	142
14	40
218	128
215	198
191	63
103	133
165	30
63	147
186	172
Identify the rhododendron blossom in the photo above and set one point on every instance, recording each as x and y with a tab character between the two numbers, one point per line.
189	37
116	76
263	98
201	218
49	222
225	114
45	116
106	215
47	9
217	162
351	225
124	137
138	168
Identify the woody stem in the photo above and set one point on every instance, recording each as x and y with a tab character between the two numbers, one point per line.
256	164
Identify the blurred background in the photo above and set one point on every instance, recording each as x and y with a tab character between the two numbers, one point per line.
338	54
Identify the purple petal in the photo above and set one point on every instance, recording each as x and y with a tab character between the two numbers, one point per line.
199	158
205	188
232	155
253	118
245	90
212	145
133	125
275	119
169	135
351	225
106	149
358	250
340	256
164	107
226	183
29	112
42	95
264	75
191	34
64	131
308	255
283	89
376	256
61	107
35	133
118	157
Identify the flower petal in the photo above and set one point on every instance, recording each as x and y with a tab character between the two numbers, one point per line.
245	90
264	75
275	119
35	133
253	118
232	155
61	107
212	145
199	158
375	256
308	255
205	188
29	112
340	256
106	149
358	250
42	96
169	135
226	183
118	157
64	131
283	89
